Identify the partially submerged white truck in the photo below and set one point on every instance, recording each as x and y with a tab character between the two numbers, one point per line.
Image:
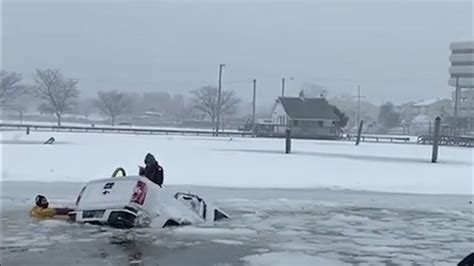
135	201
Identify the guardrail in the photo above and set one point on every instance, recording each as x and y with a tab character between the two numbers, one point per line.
378	139
143	131
462	141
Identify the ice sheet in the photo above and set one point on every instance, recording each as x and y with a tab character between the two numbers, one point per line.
288	258
241	162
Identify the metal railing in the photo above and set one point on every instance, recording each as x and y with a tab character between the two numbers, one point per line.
463	141
118	130
379	138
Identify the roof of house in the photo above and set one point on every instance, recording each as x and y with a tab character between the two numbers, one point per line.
425	103
430	102
308	108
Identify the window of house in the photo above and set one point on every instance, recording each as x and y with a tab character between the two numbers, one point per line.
320	123
296	123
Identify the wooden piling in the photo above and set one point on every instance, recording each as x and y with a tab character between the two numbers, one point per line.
288	141
359	132
436	135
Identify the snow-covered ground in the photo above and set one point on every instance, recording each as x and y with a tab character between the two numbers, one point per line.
240	162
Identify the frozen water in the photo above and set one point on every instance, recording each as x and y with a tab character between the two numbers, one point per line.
353	229
227	242
213	231
243	162
288	258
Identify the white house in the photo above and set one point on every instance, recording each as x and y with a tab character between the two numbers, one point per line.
306	117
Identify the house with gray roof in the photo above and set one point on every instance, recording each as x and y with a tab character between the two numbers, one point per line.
305	117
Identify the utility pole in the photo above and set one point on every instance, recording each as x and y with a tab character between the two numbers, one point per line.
254	103
283	87
219	92
457	95
358	104
456	98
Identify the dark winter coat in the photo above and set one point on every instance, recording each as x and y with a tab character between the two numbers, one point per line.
152	170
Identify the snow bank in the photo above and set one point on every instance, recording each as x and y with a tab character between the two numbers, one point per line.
240	162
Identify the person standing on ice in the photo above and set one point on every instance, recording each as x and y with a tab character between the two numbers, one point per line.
152	170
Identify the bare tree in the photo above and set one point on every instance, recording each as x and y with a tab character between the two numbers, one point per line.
58	93
205	100
113	104
20	108
10	89
85	107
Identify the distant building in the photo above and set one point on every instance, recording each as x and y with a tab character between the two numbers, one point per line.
434	107
466	102
418	117
462	76
462	64
306	117
420	125
407	111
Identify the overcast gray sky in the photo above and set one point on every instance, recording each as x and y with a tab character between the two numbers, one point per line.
396	50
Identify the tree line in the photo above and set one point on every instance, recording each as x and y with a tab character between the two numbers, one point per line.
59	95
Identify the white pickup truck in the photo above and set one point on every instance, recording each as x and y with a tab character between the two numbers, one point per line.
135	201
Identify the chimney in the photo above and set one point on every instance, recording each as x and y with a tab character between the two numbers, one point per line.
301	95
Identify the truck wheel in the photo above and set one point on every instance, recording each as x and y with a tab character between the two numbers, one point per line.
121	220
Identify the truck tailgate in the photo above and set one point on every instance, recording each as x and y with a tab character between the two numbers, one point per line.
106	193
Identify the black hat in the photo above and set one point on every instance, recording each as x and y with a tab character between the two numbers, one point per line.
41	201
149	159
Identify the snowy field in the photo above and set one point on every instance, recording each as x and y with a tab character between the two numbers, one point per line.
240	162
325	204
